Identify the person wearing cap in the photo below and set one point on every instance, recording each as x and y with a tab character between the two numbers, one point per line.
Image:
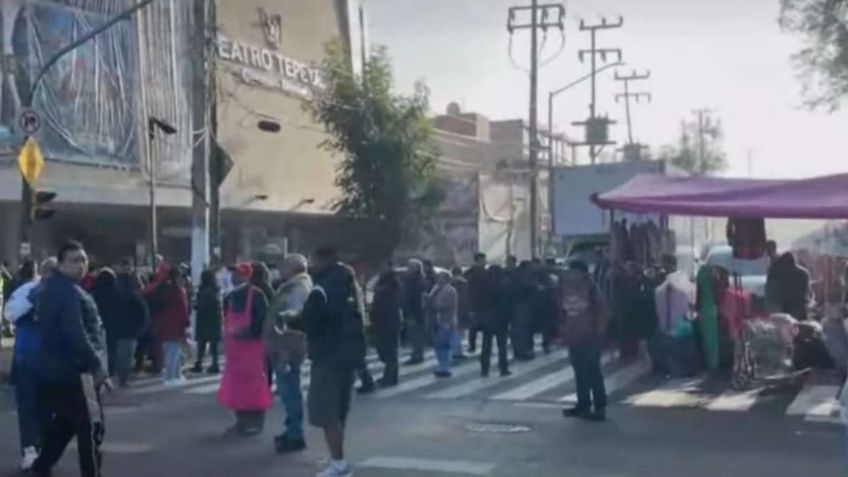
285	346
244	386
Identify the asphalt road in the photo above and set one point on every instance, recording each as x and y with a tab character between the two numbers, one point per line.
468	426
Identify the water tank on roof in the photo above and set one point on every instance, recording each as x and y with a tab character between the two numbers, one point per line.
454	109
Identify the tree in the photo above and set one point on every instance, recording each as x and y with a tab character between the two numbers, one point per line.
687	153
823	61
387	172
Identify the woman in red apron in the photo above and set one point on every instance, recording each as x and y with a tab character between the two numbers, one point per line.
244	386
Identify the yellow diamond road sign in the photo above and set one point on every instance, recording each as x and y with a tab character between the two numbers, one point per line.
30	162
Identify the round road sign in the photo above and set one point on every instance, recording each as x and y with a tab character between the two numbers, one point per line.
29	122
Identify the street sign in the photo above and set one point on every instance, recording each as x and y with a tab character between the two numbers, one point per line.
31	162
29	121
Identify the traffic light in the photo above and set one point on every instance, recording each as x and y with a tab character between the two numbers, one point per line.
40	207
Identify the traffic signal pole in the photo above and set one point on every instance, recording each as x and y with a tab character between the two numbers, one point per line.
27	191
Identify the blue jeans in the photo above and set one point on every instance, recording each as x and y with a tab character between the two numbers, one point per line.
288	388
444	343
30	419
173	359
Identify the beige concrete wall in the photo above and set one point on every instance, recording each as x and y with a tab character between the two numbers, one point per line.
288	167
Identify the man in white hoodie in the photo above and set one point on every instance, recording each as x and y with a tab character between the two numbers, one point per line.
20	311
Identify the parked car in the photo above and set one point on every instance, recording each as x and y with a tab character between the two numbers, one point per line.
752	273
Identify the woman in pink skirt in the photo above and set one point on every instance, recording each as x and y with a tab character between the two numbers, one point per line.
244	386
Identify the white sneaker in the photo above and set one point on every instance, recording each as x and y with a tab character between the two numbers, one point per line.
30	454
335	470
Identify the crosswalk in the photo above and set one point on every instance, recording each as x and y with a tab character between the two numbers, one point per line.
549	381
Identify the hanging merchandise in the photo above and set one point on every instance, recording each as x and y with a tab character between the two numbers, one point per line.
747	237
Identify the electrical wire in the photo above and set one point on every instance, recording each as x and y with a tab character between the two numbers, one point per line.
556	55
512	58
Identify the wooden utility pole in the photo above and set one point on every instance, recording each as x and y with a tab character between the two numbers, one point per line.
542	17
627	95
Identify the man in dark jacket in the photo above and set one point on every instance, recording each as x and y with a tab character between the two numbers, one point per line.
479	296
414	290
385	324
336	345
71	370
585	316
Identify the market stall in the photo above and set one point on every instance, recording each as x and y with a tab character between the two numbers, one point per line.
762	337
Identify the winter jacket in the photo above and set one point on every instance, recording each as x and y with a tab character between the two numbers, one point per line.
414	291
236	301
172	320
463	313
584	313
210	313
133	319
386	314
480	290
285	341
20	310
109	303
442	304
332	319
71	330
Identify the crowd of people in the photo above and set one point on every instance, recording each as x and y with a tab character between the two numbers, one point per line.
82	330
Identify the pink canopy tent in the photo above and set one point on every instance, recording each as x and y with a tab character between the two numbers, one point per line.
817	198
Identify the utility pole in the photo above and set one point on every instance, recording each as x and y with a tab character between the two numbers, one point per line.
200	152
627	95
702	140
542	17
594	52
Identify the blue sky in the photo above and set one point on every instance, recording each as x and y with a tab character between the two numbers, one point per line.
728	55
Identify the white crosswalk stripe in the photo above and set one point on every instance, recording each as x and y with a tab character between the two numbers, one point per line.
373	367
737	401
815	402
620	379
518	371
548	382
675	393
465	369
556	379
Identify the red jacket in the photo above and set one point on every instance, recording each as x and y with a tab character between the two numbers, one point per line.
171	322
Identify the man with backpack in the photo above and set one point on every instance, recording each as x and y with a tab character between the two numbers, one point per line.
585	320
336	346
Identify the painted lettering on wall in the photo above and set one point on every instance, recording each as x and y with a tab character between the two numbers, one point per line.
280	71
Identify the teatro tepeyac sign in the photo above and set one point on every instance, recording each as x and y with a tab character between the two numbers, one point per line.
264	67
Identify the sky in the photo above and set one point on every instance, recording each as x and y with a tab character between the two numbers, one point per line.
726	55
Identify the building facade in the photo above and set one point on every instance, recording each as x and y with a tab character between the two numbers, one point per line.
95	104
485	168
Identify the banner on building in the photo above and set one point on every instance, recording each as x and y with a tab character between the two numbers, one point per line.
89	98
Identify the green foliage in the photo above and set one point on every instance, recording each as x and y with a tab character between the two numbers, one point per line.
686	154
823	61
387	172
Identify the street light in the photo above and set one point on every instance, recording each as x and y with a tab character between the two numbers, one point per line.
153	125
551	95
